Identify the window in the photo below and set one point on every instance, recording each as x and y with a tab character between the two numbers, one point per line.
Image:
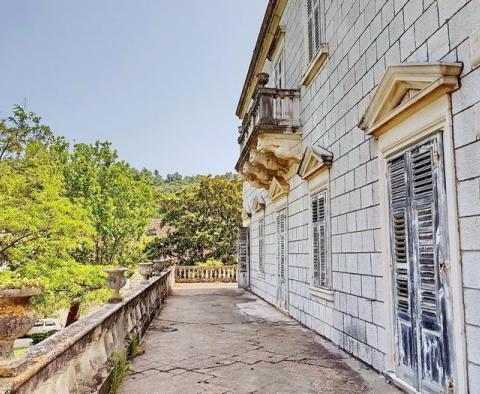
319	225
315	35
278	70
261	242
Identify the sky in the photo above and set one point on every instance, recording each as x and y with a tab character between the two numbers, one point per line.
160	79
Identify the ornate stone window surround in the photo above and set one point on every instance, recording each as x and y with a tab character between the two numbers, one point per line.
314	169
412	103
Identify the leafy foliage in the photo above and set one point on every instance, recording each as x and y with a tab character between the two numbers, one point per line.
119	201
203	219
63	215
18	130
40	336
37	220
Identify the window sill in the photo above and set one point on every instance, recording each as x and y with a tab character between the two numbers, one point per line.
315	65
324	294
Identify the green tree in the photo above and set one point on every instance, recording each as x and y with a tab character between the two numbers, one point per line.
37	220
118	198
203	219
40	227
19	129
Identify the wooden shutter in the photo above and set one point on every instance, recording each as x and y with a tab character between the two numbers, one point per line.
314	27
401	261
319	224
281	219
417	243
243	248
261	261
422	179
398	202
428	246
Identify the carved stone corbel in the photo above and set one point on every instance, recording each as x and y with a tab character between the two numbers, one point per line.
283	146
269	161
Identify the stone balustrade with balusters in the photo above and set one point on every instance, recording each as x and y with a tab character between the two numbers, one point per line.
192	274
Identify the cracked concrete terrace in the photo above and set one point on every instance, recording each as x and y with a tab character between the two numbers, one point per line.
221	339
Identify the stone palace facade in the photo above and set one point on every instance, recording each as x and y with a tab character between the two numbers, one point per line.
360	152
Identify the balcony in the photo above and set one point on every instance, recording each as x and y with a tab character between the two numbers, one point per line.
270	137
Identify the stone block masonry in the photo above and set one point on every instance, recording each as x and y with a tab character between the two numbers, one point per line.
365	37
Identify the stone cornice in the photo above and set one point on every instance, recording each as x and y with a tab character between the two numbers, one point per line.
407	88
278	188
263	45
315	159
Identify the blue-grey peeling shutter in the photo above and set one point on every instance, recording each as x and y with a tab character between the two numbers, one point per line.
425	172
401	262
417	244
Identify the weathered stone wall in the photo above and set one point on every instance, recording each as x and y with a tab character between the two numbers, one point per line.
76	360
364	37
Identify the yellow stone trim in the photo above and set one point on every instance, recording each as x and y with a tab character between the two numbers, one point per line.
278	188
315	65
388	107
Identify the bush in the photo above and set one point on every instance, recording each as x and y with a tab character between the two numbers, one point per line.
210	263
40	336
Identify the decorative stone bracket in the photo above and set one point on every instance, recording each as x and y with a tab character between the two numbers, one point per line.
272	156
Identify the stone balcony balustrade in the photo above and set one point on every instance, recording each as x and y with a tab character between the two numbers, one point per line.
270	137
185	274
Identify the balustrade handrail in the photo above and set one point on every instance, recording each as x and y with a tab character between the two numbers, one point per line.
192	273
271	106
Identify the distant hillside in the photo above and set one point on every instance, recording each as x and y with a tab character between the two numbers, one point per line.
173	183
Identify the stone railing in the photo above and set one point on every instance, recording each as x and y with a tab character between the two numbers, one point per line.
275	109
191	274
78	359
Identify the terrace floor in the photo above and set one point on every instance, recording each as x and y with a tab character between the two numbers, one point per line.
216	338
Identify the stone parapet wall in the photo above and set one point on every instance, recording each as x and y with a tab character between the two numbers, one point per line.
76	360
